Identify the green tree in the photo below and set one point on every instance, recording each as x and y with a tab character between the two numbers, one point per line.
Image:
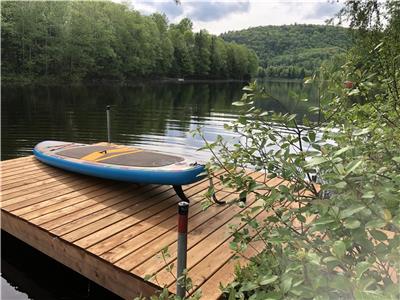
303	46
218	56
89	40
165	49
182	64
202	46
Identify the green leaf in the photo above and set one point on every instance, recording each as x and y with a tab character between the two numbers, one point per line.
387	215
377	223
301	218
323	221
147	277
361	268
396	159
339	249
341	185
351	210
378	235
267	280
313	109
330	259
249	286
354	92
352	224
312	135
286	283
273	219
273	296
352	166
343	150
308	81
247	88
256	186
315	161
378	46
361	132
365	293
368	195
232	294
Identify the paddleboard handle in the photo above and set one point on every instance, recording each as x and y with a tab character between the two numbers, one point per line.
108	124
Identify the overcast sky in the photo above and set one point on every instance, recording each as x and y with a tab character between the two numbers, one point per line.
222	15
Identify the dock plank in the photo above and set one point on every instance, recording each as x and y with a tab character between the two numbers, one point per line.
15	182
149	254
126	219
18	160
70	222
196	253
117	281
85	197
62	191
55	184
224	275
113	233
136	207
14	170
128	240
149	261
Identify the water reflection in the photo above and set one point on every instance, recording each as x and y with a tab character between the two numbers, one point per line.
154	115
29	274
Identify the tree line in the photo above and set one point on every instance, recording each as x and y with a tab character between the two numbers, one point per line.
80	40
292	51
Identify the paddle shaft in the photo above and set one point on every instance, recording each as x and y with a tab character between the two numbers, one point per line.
108	124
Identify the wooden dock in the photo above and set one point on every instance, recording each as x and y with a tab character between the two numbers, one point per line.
113	233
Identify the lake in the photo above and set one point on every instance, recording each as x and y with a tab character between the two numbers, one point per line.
152	115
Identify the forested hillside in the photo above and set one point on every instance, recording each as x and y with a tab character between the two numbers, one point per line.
292	51
79	40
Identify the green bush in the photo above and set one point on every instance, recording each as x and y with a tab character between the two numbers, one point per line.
332	230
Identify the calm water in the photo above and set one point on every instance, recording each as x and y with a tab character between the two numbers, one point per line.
153	115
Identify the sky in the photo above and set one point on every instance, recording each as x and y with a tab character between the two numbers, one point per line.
223	15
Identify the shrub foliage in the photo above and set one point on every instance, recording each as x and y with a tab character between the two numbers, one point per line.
332	230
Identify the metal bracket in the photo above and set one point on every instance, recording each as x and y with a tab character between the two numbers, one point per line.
215	199
181	194
178	190
214	196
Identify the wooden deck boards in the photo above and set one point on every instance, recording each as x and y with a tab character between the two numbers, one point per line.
113	232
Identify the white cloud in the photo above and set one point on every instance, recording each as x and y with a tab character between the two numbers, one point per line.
222	15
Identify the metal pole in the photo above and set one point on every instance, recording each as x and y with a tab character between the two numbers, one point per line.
183	211
108	124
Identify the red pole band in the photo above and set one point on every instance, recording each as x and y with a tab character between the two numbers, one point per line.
183	224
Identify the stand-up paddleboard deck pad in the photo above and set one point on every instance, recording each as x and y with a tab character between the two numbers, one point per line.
119	162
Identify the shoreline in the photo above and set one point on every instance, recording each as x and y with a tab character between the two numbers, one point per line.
131	82
134	82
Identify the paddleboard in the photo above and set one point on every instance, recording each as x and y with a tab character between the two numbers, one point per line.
119	162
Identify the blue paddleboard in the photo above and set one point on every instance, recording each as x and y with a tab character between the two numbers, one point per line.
119	162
